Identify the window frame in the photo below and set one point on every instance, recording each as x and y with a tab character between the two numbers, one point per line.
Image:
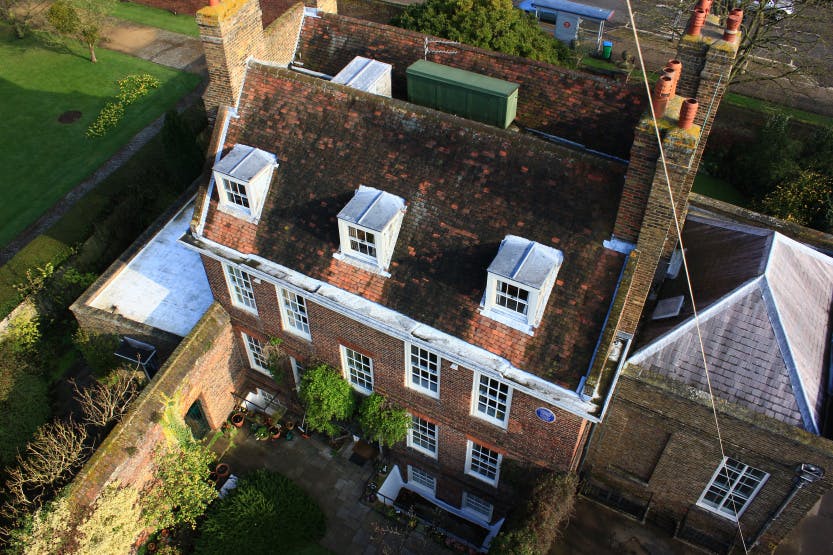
747	470
255	356
467	507
470	445
230	270
297	370
372	244
225	181
419	448
409	370
289	315
475	400
412	470
345	367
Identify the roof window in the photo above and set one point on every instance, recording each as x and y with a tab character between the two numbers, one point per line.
368	227
519	281
243	177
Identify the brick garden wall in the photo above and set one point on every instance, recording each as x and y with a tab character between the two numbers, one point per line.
592	110
678	453
207	366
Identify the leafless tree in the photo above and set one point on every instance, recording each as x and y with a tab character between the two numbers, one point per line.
56	450
107	401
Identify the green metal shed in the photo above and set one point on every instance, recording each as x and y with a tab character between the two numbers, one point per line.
463	93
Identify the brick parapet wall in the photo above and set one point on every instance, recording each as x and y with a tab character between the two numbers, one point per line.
658	446
526	438
206	366
378	11
281	36
592	110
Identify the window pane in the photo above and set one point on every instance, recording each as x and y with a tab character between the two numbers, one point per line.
236	193
295	309
258	356
484	462
362	242
492	398
359	369
512	297
425	369
423	435
732	488
241	287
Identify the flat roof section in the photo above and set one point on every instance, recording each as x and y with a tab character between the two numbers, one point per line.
164	285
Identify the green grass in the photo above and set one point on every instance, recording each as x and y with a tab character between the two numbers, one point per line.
718	189
764	106
41	158
162	19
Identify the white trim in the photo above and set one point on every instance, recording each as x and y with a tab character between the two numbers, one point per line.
286	321
491	481
345	370
409	368
252	359
410	438
399	326
475	401
716	510
296	372
419	486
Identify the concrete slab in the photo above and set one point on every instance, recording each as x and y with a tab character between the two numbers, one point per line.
164	285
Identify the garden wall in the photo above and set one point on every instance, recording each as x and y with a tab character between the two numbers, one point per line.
206	366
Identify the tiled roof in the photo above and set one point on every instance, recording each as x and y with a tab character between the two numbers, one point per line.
765	303
466	186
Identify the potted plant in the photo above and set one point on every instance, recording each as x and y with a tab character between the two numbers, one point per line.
222	470
237	419
261	433
275	431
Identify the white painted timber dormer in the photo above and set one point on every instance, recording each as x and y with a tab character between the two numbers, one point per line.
243	177
519	282
368	227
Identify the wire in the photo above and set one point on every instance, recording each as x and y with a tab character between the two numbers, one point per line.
685	266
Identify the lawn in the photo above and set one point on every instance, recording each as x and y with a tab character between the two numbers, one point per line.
718	189
766	107
42	158
162	19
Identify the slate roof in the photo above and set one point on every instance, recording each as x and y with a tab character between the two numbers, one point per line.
466	185
765	305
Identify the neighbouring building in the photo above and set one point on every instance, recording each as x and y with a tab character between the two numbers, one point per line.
764	304
490	281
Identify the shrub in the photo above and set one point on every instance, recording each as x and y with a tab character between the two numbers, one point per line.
532	529
383	421
326	397
804	199
107	118
267	513
45	531
131	88
181	490
97	350
113	524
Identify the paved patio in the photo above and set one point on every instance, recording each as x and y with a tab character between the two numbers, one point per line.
337	484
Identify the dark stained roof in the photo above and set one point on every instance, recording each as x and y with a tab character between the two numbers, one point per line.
765	305
466	186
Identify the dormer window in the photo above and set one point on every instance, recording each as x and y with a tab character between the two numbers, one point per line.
519	281
368	227
243	177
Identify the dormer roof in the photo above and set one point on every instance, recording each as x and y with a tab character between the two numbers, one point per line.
525	261
244	163
371	208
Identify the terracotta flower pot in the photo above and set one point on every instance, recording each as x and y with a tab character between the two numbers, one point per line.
275	432
237	419
223	470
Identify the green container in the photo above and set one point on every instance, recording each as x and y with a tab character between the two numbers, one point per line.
463	93
607	49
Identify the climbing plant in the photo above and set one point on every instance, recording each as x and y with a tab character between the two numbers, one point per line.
326	397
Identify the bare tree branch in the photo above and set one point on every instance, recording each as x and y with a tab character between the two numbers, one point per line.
103	403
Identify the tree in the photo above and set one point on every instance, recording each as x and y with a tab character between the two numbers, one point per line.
107	401
804	199
326	397
383	421
113	524
491	24
80	19
181	490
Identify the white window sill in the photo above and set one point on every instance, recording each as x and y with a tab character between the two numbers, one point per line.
422	451
481	478
364	264
715	512
503	424
244	308
238	212
514	322
423	391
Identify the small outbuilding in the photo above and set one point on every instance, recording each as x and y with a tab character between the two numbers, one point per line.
568	17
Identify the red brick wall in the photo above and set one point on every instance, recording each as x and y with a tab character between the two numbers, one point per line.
592	110
526	438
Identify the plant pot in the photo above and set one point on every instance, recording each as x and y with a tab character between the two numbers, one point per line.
222	470
290	425
275	432
237	419
152	547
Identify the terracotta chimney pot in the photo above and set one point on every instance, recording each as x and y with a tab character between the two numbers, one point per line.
213	2
705	5
672	73
695	24
687	113
732	25
662	92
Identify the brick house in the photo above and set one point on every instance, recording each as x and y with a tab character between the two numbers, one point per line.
489	281
764	304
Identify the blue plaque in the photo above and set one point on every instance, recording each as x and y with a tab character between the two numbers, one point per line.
545	414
